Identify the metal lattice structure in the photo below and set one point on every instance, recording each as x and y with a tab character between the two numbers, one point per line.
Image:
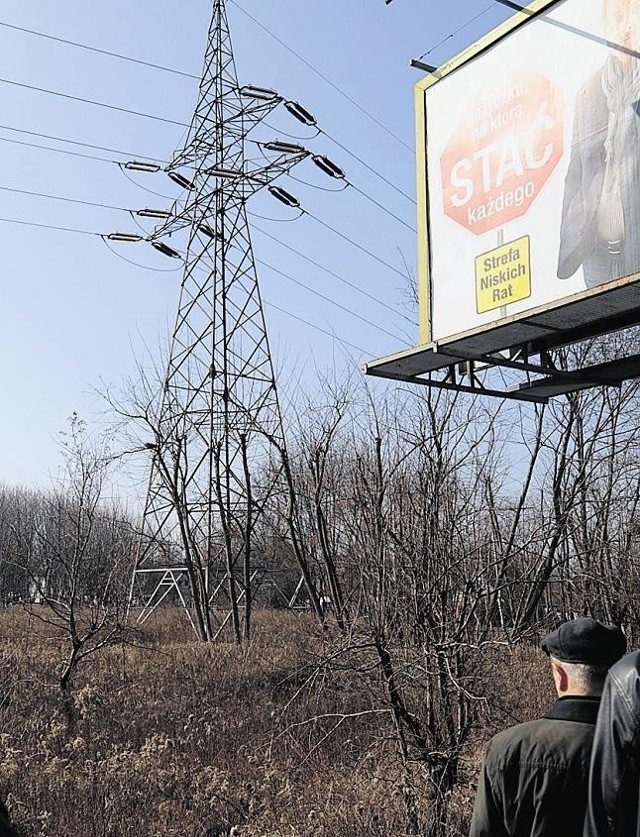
219	424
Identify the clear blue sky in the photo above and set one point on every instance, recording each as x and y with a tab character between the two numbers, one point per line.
74	314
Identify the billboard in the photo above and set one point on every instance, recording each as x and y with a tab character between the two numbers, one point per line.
529	166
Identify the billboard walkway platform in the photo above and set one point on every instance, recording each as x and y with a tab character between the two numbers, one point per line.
525	344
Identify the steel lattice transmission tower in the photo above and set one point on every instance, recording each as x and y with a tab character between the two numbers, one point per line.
219	423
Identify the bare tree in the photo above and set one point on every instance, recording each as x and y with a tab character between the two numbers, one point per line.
76	556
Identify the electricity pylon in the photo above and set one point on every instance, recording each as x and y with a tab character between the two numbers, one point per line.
219	423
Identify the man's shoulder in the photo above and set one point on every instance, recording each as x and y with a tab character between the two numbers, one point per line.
543	740
627	666
514	736
623	684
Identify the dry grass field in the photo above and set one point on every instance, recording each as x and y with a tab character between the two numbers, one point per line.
174	737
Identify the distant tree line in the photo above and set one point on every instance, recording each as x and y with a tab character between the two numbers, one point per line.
53	546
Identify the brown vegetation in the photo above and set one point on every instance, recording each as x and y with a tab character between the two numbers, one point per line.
437	562
186	738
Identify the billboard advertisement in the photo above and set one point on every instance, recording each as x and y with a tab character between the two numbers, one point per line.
529	166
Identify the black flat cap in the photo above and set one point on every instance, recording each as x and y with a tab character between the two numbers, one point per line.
585	640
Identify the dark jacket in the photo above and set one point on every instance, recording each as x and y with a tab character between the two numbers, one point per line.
613	809
534	777
585	178
585	192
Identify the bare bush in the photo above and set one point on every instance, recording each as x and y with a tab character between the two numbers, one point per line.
69	556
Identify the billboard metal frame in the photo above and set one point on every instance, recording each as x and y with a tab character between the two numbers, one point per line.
523	342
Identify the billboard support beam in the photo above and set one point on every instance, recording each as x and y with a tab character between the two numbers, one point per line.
420	65
552	382
451	383
515	6
457	364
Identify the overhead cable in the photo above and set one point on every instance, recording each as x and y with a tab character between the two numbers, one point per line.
47	226
176	122
355	244
171	270
82	144
92	102
331	273
105	160
266	264
330	301
345	185
322	296
57	150
113	250
141	186
382	206
459	29
321	75
306	322
316	327
367	165
62	198
190	75
98	50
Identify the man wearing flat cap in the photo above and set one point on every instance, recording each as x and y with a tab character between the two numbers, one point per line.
534	776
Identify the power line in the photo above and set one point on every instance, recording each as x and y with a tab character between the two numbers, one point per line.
346	96
92	102
203	269
114	252
124	209
57	150
62	198
155	159
82	144
323	77
175	71
326	298
459	29
189	75
316	327
185	74
382	206
331	301
345	185
100	235
98	50
355	244
66	199
332	273
164	162
145	188
350	311
367	166
47	226
166	120
266	264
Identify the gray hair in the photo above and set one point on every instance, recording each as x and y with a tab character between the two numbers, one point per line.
586	676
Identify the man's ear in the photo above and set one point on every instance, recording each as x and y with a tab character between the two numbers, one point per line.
560	677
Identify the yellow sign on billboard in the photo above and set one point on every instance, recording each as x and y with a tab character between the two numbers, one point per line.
503	275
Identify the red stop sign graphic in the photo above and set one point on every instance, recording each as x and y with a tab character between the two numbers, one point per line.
501	154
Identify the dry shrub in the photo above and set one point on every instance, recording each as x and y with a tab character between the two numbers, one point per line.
176	737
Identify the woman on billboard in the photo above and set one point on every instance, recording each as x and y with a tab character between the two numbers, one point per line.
600	227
